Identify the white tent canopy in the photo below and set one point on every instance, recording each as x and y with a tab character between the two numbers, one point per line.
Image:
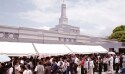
52	49
80	49
111	52
86	49
4	58
16	49
25	49
98	49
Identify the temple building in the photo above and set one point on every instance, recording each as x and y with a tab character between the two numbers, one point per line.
63	33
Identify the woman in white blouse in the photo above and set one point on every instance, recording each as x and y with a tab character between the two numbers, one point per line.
86	65
27	70
91	66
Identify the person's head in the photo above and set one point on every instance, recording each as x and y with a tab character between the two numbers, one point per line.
90	59
17	62
65	61
60	59
9	65
40	62
83	58
53	60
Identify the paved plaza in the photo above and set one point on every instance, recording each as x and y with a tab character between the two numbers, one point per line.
107	73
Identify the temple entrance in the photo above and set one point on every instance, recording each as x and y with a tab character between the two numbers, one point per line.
122	50
111	49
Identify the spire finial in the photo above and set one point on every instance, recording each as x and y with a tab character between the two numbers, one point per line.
63	1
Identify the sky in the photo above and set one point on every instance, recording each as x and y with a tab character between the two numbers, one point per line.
94	17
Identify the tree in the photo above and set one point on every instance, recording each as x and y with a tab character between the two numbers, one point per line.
118	33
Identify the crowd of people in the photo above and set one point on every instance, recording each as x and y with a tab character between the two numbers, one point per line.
66	64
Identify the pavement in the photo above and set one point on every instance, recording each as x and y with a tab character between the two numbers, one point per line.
107	73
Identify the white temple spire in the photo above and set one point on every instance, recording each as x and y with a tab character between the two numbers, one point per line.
63	26
63	19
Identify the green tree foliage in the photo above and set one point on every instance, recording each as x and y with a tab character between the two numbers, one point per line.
118	33
119	28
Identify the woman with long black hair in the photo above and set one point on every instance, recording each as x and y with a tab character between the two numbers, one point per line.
100	62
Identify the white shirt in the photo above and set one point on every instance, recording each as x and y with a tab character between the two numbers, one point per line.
27	72
51	60
105	60
10	71
22	62
39	69
111	60
17	67
59	63
116	60
86	64
65	65
91	64
77	60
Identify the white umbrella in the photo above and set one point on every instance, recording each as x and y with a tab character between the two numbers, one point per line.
111	52
4	58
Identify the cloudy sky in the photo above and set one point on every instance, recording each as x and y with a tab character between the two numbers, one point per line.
94	17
